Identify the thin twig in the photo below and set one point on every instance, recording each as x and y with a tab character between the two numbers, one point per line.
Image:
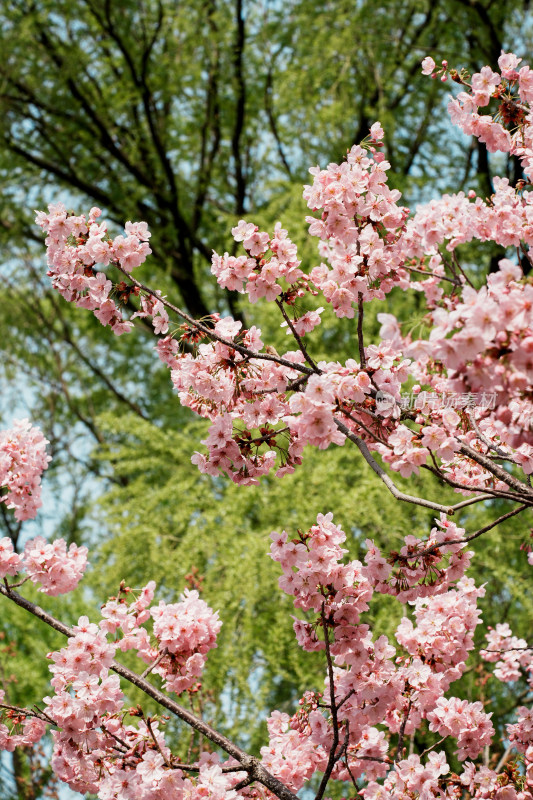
503	760
28	712
402	731
487	492
389	483
154	664
467	539
196	768
364	427
495	469
121	742
297	336
360	316
432	275
19	583
333	757
152	734
486	441
344	699
428	749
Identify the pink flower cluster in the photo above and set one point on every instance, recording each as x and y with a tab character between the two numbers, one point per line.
514	657
512	89
94	749
483	782
511	654
490	332
31	730
467	722
263	408
444	629
291	756
186	631
413	572
23	459
223	385
410	778
57	569
359	227
10	562
255	272
375	691
76	244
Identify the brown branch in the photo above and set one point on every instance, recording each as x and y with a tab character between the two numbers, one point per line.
344	699
485	493
360	316
496	470
380	472
154	663
297	336
196	768
212	117
503	760
454	281
272	121
240	106
333	757
402	731
467	539
482	438
429	749
210	332
152	734
364	427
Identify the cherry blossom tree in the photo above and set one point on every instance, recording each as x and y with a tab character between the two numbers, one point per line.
456	402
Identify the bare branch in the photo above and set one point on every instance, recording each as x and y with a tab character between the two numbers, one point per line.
380	472
360	317
154	663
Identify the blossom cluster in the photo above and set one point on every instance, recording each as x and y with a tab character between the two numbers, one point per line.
374	689
23	459
258	272
94	749
57	569
31	730
420	568
258	421
75	244
514	657
359	228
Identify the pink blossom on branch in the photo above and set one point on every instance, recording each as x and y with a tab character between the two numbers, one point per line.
263	409
23	459
51	565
